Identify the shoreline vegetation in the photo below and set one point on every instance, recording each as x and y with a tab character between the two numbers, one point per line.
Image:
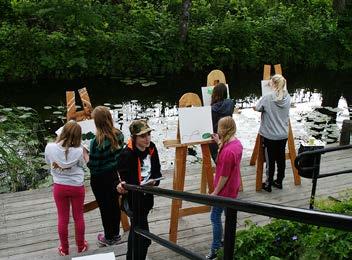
66	39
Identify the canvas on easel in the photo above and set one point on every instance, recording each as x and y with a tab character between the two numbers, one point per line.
266	89
208	91
195	124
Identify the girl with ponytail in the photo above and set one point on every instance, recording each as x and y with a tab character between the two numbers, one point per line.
227	180
274	130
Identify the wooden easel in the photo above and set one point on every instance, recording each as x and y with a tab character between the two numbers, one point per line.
72	112
215	77
187	100
80	116
258	151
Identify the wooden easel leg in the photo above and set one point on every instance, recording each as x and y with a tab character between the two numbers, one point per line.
292	155
124	222
255	151
260	165
278	69
207	173
178	184
87	106
70	105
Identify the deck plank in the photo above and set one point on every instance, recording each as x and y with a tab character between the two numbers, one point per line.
28	219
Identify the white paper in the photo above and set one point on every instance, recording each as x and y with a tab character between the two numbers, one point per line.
266	89
206	94
106	256
195	124
151	180
86	125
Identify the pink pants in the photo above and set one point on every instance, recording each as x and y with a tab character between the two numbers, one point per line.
64	195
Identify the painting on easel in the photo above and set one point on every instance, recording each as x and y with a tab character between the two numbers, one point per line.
266	89
195	124
208	91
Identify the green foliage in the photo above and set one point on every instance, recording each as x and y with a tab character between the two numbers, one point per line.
282	239
21	164
88	38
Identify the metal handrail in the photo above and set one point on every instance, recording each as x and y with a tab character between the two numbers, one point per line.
318	218
314	168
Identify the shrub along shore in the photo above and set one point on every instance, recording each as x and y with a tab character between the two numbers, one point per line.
64	39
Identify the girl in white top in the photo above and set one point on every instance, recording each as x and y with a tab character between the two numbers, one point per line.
66	160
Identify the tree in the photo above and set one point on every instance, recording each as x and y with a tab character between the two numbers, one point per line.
339	5
186	6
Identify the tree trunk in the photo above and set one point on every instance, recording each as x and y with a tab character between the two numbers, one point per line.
186	6
339	5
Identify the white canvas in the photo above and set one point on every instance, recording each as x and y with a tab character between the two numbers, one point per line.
206	94
266	89
195	124
86	125
106	256
88	130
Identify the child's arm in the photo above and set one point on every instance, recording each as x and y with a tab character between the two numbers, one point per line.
220	186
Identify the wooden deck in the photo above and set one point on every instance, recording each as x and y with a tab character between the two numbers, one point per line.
28	219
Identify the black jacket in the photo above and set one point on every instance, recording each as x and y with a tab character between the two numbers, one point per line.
128	167
220	110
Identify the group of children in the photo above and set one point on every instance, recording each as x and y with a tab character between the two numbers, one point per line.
112	165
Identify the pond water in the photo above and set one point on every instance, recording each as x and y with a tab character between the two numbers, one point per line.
157	99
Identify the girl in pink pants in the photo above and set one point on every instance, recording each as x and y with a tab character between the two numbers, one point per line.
66	159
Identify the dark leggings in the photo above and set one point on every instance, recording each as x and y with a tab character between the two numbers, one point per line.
274	152
104	189
141	248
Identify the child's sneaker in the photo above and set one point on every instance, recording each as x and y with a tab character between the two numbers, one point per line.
85	247
102	241
61	251
212	255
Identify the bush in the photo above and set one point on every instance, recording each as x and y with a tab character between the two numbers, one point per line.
21	163
282	239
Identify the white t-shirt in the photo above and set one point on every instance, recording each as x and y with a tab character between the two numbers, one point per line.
146	169
66	172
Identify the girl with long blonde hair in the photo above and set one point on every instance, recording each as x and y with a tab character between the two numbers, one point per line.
104	151
274	130
66	160
227	179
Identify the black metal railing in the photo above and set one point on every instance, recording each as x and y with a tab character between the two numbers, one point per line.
232	206
308	165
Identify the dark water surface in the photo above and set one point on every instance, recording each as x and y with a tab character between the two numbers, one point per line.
242	85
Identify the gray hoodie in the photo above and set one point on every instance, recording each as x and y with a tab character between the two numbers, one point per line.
65	171
275	116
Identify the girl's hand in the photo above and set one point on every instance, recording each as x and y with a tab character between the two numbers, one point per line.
215	137
120	188
85	154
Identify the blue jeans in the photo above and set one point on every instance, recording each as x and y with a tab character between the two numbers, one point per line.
215	218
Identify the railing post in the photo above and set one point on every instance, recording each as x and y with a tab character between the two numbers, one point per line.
134	223
315	175
230	233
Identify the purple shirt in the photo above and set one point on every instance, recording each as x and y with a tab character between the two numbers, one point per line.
228	165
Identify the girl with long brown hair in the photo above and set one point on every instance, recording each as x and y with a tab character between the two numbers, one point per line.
221	106
65	157
227	179
104	151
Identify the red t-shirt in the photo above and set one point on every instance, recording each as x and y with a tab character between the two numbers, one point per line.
228	165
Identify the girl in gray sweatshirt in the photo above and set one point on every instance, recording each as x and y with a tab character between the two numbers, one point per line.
274	130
